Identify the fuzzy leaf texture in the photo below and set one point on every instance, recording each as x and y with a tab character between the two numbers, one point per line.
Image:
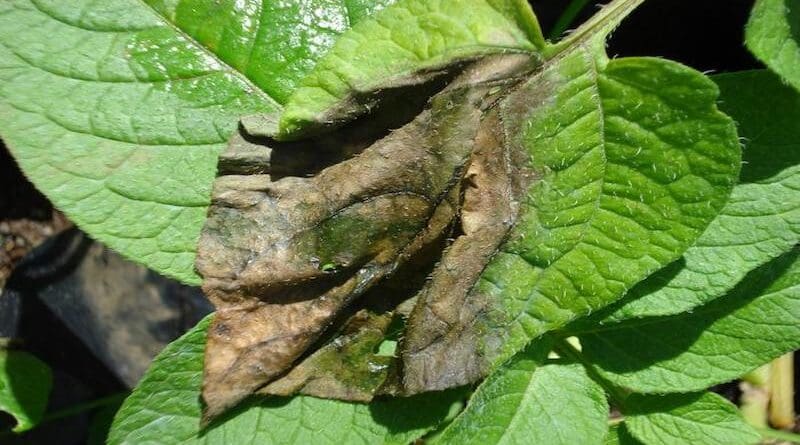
760	221
580	177
165	409
25	383
117	110
773	36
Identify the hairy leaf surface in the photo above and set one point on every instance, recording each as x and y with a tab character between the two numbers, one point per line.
698	419
117	110
773	35
165	409
762	217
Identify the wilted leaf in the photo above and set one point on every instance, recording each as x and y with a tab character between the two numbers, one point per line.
281	258
25	383
165	409
564	181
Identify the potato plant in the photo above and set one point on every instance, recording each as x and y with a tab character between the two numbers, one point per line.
421	219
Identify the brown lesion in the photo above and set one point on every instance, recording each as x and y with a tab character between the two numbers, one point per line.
284	255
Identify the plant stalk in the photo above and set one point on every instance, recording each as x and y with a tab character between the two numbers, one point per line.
784	436
754	404
601	24
781	408
567	18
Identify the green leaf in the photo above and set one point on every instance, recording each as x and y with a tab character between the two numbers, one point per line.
165	409
773	35
760	221
273	43
403	45
753	324
530	402
696	419
117	110
619	435
25	383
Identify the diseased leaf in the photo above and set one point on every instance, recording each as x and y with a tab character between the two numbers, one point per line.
118	110
632	160
773	35
165	409
762	217
25	383
696	419
572	179
281	258
527	401
753	324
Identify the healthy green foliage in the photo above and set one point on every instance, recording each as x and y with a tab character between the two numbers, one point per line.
697	419
25	383
117	110
755	323
773	35
619	435
165	409
762	217
529	401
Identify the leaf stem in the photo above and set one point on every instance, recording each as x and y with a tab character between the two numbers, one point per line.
601	24
566	19
769	433
83	407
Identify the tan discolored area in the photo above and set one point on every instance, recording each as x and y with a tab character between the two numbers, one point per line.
287	249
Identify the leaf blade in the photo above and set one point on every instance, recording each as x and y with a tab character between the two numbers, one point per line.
525	402
772	35
762	218
702	419
405	44
655	162
25	383
119	119
725	339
